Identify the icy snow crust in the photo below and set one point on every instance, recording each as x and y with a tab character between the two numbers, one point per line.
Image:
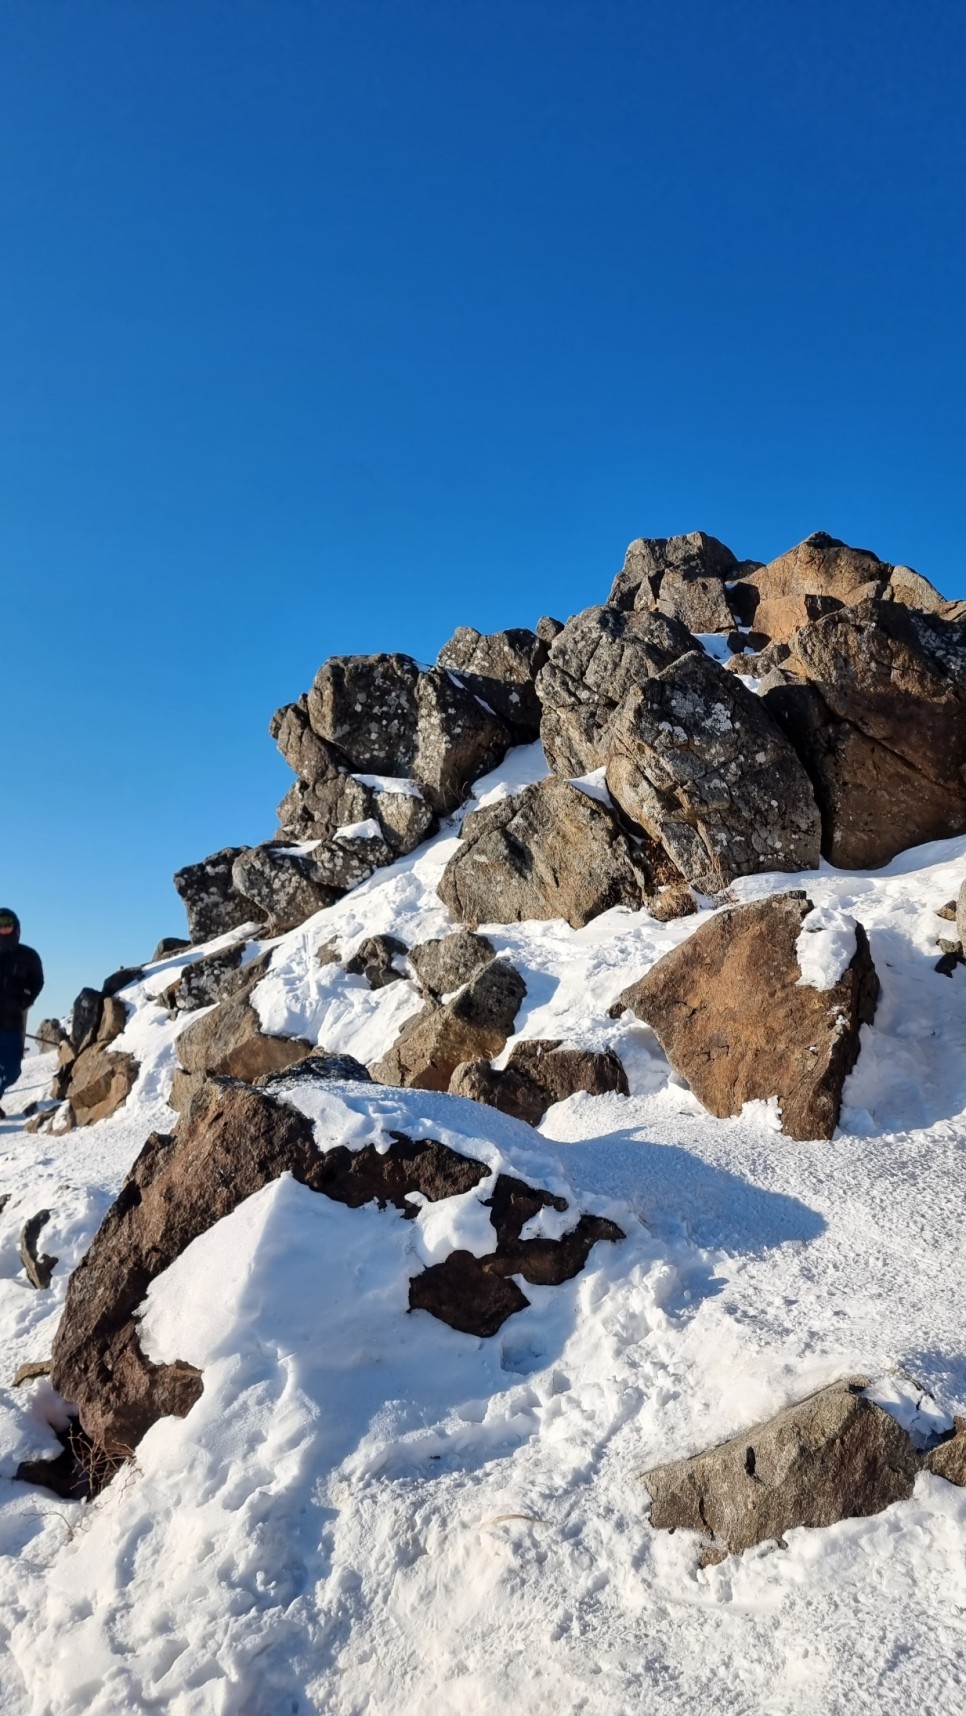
370	1512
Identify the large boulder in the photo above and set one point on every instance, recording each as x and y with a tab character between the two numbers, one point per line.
738	1018
474	1025
815	578
229	1042
538	1073
873	697
500	667
443	965
835	1455
657	569
599	656
101	1080
697	762
286	885
328	798
212	902
549	851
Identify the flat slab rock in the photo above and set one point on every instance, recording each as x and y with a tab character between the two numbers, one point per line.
735	1021
835	1455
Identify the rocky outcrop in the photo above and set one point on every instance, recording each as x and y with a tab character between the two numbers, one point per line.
500	668
550	851
735	1019
232	1141
598	657
443	965
228	1041
835	1455
538	1073
696	761
474	1025
874	701
664	571
378	960
478	1294
211	901
215	977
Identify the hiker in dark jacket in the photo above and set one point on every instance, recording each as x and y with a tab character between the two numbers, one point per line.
21	980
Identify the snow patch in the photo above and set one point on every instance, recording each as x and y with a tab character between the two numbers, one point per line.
825	947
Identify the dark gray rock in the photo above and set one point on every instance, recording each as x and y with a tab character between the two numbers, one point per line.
211	900
600	655
376	959
500	667
168	945
213	978
538	1073
550	851
651	560
317	1068
835	1455
697	762
283	886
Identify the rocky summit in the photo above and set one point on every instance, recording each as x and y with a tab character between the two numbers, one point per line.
524	1204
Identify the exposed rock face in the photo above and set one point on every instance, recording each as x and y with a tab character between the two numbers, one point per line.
538	1073
653	562
475	1025
327	797
229	1042
283	885
598	657
550	851
211	900
501	668
444	965
232	1141
833	1456
101	1080
477	1294
734	1020
875	704
815	578
376	959
697	762
214	977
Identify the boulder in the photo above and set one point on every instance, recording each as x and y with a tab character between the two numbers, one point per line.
283	885
875	704
598	657
214	977
651	561
835	1455
442	966
121	979
547	628
817	577
49	1034
317	1068
702	767
474	1025
100	1081
168	945
734	1018
500	667
229	1041
948	1460
85	1018
549	851
327	797
376	959
538	1073
211	900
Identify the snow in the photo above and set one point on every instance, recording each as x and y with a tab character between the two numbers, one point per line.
400	784
367	830
367	1511
715	644
825	946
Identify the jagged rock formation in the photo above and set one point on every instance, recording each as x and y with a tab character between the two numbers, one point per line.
735	1020
835	1455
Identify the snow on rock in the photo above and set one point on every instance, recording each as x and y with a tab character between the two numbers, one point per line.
825	946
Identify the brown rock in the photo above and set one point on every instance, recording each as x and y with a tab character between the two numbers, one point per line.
948	1460
550	851
229	1042
285	885
38	1267
835	1455
876	708
697	761
31	1371
734	1020
50	1034
961	915
808	581
475	1025
539	1073
101	1080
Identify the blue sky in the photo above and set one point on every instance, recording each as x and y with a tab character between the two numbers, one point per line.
328	327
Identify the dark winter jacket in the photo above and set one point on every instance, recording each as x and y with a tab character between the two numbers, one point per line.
21	980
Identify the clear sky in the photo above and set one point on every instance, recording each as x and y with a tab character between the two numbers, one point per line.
328	325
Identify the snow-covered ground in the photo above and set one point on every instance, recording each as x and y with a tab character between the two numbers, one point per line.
369	1512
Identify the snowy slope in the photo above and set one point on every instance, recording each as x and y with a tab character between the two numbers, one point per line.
370	1512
